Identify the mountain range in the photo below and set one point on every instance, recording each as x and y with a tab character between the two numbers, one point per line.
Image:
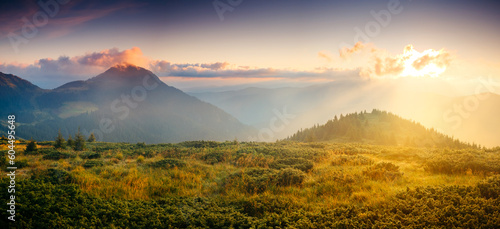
126	103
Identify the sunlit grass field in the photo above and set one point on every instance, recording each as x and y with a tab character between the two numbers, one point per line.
262	180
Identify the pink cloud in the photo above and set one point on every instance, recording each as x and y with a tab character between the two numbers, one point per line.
55	72
111	57
65	69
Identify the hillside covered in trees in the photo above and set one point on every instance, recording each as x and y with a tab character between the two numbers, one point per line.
377	127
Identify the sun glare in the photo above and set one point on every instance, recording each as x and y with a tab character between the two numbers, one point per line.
430	62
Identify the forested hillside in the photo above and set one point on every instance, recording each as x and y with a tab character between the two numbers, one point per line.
125	103
377	127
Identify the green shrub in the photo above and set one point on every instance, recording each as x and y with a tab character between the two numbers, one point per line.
490	188
31	147
253	160
140	145
168	163
3	158
214	157
90	155
355	160
383	171
290	177
338	183
459	162
54	176
200	144
253	180
317	145
42	151
23	163
46	205
296	163
149	153
45	143
56	155
93	163
140	159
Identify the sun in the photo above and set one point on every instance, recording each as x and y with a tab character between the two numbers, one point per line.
429	63
374	62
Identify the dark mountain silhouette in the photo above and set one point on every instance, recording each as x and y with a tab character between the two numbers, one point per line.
16	95
377	127
125	103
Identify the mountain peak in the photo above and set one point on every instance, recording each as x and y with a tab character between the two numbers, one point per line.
15	83
123	73
124	67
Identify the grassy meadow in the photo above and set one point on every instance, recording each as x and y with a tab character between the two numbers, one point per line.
234	184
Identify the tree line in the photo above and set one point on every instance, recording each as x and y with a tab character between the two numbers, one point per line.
77	144
378	127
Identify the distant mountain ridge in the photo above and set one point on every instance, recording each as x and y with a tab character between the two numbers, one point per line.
16	95
14	83
129	103
125	103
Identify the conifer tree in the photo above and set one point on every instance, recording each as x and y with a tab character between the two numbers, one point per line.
71	142
31	146
60	142
91	137
79	141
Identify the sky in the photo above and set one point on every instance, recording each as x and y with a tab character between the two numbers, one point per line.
228	44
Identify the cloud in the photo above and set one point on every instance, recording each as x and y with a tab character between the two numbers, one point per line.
346	52
441	60
208	70
53	72
62	18
12	13
216	66
90	62
383	67
325	55
375	62
111	57
226	70
67	68
50	73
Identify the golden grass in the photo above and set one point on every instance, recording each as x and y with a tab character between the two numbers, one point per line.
326	185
